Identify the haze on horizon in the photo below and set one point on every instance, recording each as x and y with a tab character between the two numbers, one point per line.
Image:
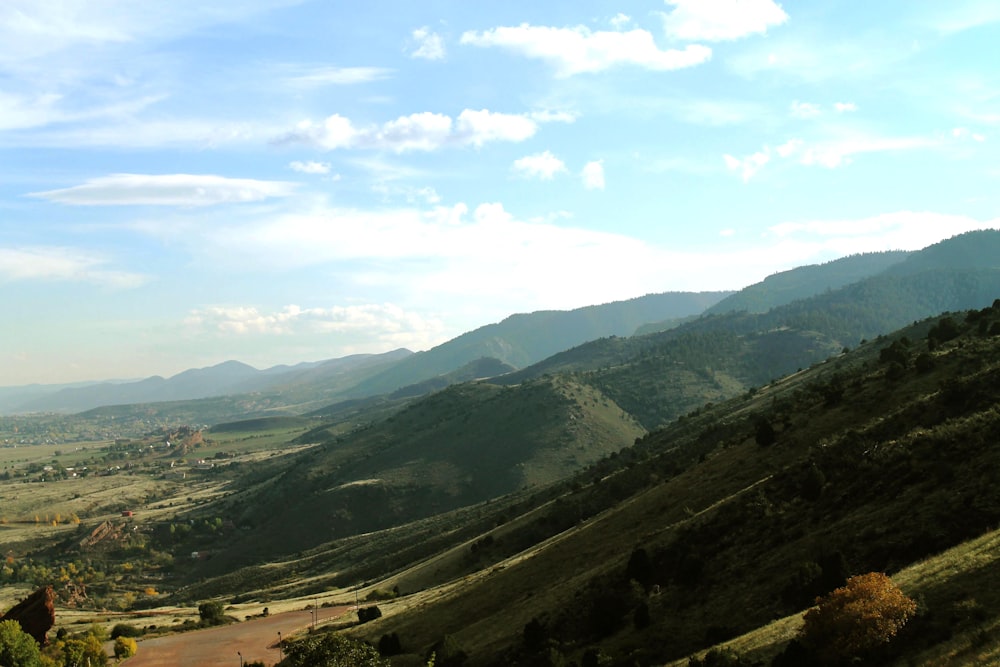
278	181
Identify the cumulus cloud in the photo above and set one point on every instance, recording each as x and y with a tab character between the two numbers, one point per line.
167	190
429	45
845	107
64	265
592	175
425	131
310	167
719	20
542	165
578	50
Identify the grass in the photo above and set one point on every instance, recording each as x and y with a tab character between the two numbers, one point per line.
966	577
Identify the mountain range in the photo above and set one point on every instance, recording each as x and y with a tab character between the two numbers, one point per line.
598	499
534	496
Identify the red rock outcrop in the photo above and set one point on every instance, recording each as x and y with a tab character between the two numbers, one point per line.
35	613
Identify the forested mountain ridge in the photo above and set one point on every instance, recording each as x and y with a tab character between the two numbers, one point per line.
523	339
807	281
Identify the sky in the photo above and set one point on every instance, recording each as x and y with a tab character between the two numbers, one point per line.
275	181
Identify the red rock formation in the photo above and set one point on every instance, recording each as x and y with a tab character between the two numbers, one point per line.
35	613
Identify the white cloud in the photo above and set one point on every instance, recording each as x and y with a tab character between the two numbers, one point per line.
845	107
620	20
829	153
718	20
593	175
478	127
749	165
310	167
805	109
167	190
579	50
542	165
430	46
424	131
64	265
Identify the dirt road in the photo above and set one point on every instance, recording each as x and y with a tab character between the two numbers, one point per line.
234	644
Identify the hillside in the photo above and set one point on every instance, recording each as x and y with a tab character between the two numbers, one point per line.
880	458
463	445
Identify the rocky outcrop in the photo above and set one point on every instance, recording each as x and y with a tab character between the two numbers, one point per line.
36	613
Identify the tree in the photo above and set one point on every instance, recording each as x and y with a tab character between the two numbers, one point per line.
125	647
764	433
853	620
333	650
17	647
87	650
211	613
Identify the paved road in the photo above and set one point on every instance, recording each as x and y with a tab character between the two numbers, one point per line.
255	640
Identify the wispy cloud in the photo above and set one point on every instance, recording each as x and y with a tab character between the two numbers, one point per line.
543	166
167	190
426	131
62	264
579	50
242	320
719	20
313	76
900	230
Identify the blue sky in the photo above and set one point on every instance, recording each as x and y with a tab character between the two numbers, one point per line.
276	181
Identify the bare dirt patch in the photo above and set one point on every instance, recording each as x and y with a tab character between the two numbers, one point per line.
256	639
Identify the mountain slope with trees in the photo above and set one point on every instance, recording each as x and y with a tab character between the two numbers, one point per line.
717	524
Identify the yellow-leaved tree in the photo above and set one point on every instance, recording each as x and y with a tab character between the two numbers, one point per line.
851	621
